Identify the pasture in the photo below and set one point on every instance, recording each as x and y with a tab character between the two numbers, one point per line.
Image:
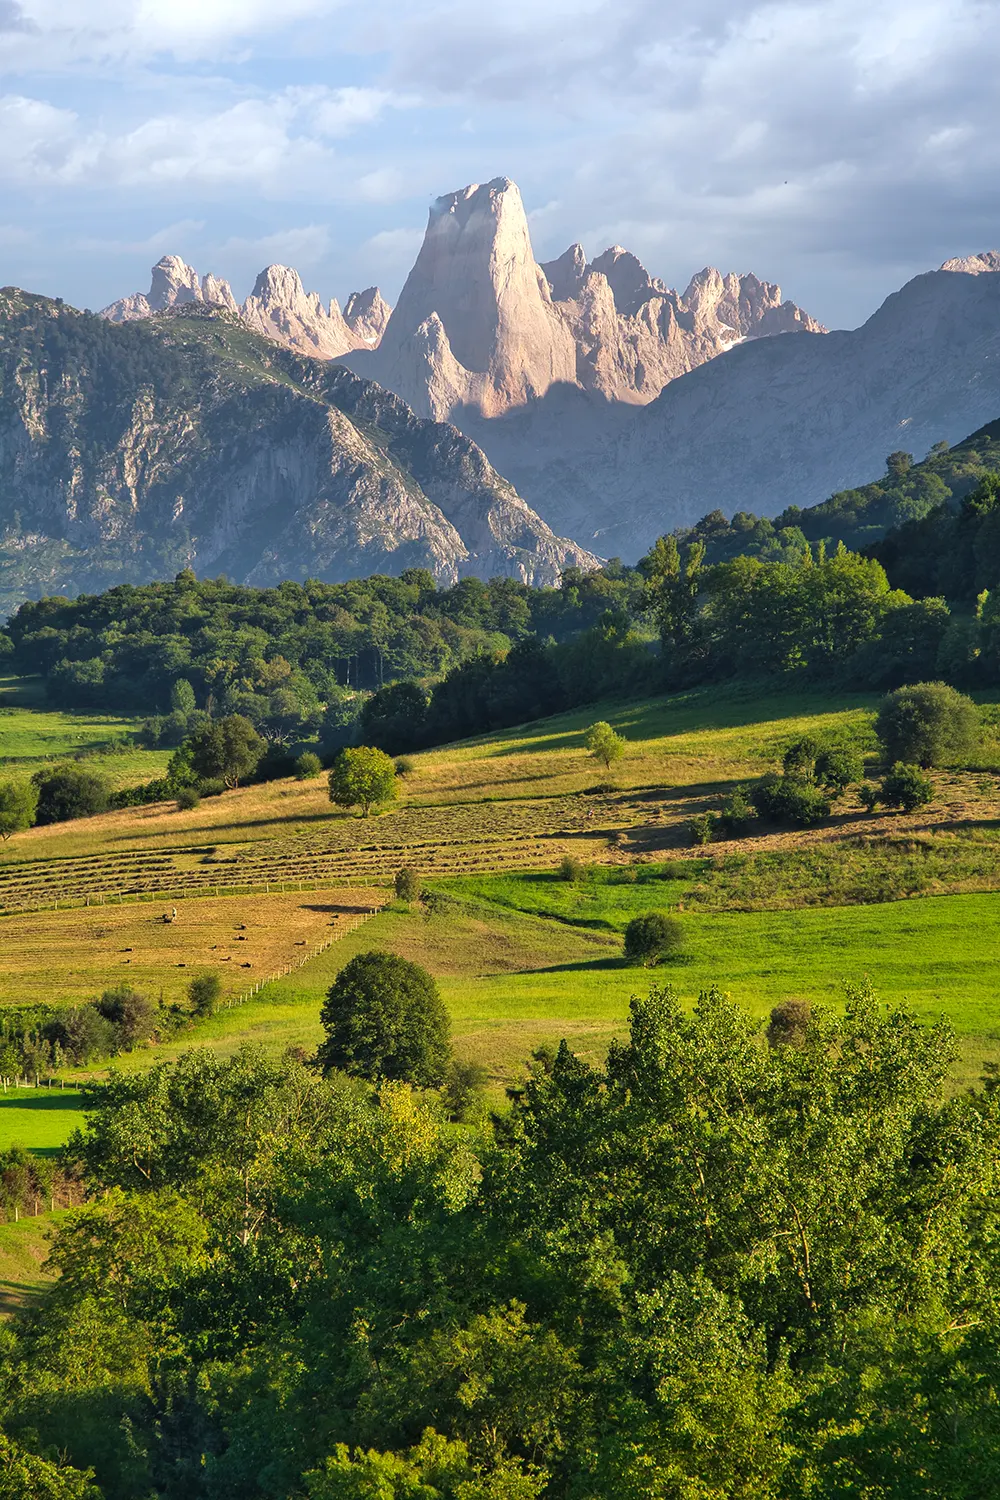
522	957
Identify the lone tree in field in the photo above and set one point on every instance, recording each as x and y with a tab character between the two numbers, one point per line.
363	777
18	806
229	749
66	792
651	938
604	744
384	1018
926	725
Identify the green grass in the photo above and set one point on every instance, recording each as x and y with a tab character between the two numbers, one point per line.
24	1248
40	1119
33	735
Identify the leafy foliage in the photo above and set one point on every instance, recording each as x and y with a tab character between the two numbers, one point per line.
652	937
363	777
18	806
905	787
66	792
228	748
384	1018
604	744
928	724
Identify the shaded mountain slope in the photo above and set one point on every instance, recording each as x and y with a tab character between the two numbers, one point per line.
127	450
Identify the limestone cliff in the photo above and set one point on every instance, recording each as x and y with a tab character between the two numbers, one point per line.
481	330
130	450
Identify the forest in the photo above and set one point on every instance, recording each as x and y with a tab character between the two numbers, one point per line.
728	1264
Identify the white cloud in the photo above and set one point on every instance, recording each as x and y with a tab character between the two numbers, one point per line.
161	242
306	246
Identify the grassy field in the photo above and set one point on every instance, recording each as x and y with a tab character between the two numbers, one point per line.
65	957
23	1250
39	1119
521	956
33	735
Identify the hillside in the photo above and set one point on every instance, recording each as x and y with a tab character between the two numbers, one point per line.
776	422
858	517
131	450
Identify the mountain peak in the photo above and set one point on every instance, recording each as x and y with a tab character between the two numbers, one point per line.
974	265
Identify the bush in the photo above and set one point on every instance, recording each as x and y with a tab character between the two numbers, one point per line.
786	799
652	937
799	761
407	885
702	827
82	1033
405	765
384	1018
868	796
204	994
905	787
130	1013
926	725
789	1023
307	766
463	1088
737	813
66	792
604	744
570	868
838	769
18	807
211	786
188	798
363	777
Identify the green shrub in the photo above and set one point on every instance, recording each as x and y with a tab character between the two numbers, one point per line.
307	766
384	1018
66	792
799	760
407	884
604	744
926	725
363	777
785	799
839	768
204	994
211	786
652	937
868	796
570	868
188	798
737	812
702	827
905	787
18	806
405	765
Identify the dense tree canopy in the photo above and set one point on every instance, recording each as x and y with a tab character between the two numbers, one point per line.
717	1266
384	1018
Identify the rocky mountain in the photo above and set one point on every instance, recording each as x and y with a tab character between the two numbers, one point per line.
279	307
132	448
481	329
778	421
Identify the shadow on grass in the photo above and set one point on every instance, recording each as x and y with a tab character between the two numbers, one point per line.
60	1100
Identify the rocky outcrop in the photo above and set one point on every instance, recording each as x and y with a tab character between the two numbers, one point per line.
173	284
179	439
974	265
474	325
279	307
366	315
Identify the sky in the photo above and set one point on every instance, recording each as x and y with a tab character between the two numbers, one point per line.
836	147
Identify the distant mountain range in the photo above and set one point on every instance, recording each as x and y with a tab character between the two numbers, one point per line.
130	450
600	392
